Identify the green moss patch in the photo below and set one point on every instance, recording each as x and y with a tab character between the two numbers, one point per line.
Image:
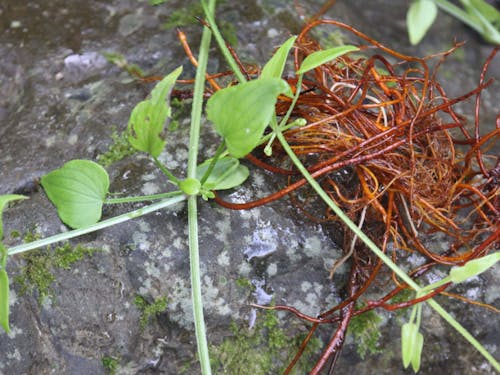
110	364
119	149
264	349
37	273
149	309
366	331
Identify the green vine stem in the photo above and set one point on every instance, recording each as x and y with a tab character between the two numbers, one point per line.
143	198
194	137
218	153
209	14
100	225
165	171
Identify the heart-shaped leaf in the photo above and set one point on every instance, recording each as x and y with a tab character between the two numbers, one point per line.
147	120
4	300
241	113
4	199
322	57
227	174
78	190
419	19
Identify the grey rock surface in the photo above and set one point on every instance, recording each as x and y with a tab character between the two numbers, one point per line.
60	100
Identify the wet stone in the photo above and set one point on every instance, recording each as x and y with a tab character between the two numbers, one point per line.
60	100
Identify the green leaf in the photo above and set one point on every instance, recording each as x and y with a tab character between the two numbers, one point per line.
147	120
486	19
408	333
321	57
4	199
412	343
241	113
227	174
473	267
417	352
78	190
274	67
4	300
419	19
488	11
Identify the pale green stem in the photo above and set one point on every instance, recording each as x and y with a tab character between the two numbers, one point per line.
463	331
296	123
100	225
222	44
165	171
283	123
437	284
143	198
288	113
194	256
218	153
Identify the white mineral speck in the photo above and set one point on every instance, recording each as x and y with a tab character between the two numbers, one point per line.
14	331
166	253
144	226
15	355
474	294
271	33
152	270
146	287
261	296
12	298
72	139
141	240
223	259
49	141
224	227
312	246
272	269
292	253
150	188
244	269
148	177
305	286
318	288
